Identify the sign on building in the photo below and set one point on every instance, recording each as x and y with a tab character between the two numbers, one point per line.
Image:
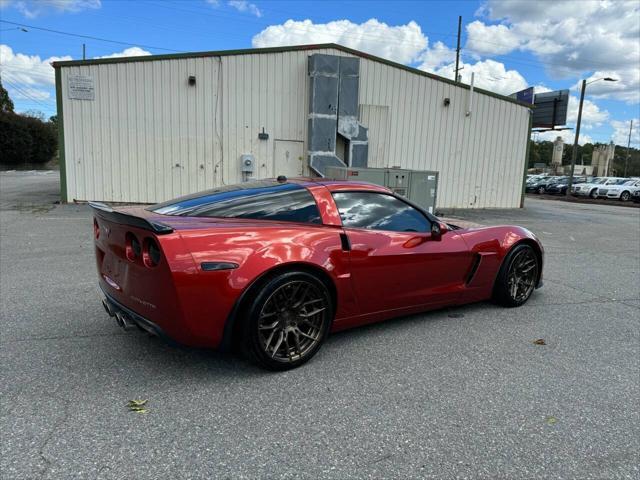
81	87
525	95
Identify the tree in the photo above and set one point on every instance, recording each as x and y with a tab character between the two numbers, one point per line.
33	113
25	139
6	105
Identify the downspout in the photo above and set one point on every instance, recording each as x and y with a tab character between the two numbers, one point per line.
61	157
526	159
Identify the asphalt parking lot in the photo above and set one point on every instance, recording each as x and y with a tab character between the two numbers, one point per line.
458	393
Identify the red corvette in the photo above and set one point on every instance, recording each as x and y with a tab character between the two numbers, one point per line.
273	266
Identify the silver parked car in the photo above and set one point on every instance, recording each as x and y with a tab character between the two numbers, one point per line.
591	189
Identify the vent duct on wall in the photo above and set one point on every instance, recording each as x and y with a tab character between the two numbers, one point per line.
333	110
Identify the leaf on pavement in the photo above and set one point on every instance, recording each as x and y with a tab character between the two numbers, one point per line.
539	341
137	406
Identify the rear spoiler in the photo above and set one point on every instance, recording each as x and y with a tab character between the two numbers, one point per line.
108	213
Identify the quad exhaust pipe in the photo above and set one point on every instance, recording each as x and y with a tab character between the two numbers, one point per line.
107	308
121	319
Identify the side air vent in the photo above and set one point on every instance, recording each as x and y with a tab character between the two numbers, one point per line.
474	268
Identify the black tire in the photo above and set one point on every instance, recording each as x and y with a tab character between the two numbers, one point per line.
541	190
287	321
520	257
593	193
625	196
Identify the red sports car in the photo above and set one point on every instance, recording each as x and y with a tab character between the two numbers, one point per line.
273	266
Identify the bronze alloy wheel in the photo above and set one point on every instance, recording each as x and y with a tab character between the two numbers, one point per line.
522	275
292	321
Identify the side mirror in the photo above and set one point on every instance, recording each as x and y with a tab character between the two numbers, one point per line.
437	230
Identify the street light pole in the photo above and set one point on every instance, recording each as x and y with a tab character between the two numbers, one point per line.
574	152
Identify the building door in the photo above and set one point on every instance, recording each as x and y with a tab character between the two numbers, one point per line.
376	118
288	159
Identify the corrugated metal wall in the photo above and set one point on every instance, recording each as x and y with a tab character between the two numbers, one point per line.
148	136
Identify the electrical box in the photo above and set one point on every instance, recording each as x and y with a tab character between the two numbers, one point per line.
419	186
248	163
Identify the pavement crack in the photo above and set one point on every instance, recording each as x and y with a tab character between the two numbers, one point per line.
63	337
54	429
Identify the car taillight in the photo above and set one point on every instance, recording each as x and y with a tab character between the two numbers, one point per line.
152	254
96	229
133	249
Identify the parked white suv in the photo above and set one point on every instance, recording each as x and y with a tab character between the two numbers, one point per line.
591	189
622	191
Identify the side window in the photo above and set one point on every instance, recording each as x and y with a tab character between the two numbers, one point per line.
378	211
287	205
262	200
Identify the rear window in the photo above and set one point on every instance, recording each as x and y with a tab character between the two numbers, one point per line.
265	200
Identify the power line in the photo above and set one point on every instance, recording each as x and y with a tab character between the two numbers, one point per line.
91	37
42	102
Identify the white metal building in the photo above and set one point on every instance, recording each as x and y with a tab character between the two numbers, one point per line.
146	129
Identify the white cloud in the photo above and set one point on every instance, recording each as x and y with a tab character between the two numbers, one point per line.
28	70
567	135
436	56
571	38
621	132
128	52
35	8
489	75
245	7
402	43
491	39
591	113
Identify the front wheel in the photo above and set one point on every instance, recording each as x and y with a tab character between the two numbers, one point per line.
594	193
541	190
625	196
517	277
288	321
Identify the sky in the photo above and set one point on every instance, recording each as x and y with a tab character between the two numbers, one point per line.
509	45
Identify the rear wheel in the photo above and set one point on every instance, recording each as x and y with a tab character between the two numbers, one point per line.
625	196
541	190
517	277
288	321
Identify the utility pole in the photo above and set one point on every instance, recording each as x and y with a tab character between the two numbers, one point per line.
84	51
458	48
574	151
626	160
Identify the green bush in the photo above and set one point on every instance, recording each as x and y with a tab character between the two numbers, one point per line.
26	139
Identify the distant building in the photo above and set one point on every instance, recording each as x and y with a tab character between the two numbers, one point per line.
558	148
146	129
602	158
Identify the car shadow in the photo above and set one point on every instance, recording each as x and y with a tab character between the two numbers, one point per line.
208	364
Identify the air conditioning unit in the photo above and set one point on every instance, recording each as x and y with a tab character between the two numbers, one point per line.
419	186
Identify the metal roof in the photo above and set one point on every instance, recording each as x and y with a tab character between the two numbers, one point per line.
253	51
